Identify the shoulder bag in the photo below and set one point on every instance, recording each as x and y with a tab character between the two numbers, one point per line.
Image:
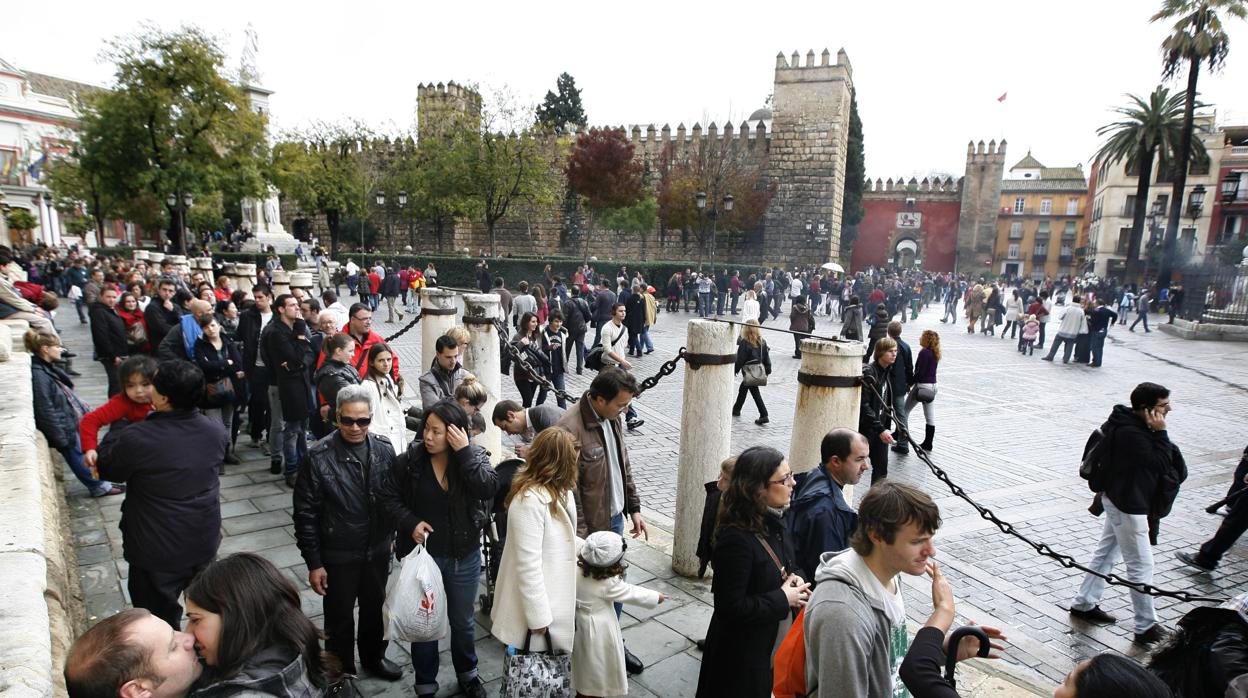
528	674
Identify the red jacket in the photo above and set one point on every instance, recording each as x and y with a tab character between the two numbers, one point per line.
374	283
117	408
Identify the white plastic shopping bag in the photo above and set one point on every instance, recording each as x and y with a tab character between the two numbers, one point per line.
415	608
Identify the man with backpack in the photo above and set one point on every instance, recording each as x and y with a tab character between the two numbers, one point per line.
1137	471
577	317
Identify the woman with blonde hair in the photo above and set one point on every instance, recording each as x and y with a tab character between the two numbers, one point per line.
751	349
536	589
924	390
750	308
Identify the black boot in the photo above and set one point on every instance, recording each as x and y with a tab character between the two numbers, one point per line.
929	434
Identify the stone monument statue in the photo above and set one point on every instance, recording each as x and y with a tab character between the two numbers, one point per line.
260	216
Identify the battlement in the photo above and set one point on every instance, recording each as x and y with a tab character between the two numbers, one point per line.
793	70
932	185
992	153
448	91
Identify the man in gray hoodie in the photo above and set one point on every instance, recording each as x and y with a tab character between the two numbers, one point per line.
856	619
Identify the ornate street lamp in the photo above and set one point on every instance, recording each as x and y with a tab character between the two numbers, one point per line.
1196	201
1230	187
381	198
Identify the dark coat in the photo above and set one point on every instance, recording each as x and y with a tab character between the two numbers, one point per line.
710	510
602	305
288	354
635	313
57	408
1207	651
331	377
872	420
391	286
337	519
217	364
470	503
248	334
171	519
108	332
749	605
902	368
851	327
747	352
1145	468
576	316
819	520
160	321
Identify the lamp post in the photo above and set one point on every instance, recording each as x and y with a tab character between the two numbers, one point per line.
1155	222
402	207
699	200
381	203
177	203
1230	187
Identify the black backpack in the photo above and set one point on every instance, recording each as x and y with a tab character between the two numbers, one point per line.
1095	464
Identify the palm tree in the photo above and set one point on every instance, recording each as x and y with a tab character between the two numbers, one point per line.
1148	129
1198	36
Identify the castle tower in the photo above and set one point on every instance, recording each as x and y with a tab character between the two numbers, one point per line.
809	136
981	199
441	104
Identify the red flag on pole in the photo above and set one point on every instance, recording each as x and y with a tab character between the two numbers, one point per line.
1002	97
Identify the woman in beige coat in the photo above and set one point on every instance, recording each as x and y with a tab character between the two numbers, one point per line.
536	589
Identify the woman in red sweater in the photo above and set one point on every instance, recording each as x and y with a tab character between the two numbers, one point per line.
132	404
136	324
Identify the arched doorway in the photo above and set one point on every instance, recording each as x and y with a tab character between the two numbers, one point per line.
905	252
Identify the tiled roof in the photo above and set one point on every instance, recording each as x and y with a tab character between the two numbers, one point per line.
1028	163
1072	185
1061	173
59	87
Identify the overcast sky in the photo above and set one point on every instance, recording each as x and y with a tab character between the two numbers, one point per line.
927	74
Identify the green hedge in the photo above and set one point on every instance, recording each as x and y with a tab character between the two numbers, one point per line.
460	271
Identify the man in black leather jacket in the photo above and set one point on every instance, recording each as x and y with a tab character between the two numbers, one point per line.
345	540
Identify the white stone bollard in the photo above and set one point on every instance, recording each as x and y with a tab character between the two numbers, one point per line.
828	394
246	276
281	282
155	258
482	360
705	431
303	280
437	315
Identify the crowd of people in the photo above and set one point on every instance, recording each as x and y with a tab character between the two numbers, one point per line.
377	471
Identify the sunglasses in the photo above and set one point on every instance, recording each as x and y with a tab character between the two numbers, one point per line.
349	422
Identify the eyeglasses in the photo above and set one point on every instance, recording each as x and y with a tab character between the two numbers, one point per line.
366	318
784	480
349	422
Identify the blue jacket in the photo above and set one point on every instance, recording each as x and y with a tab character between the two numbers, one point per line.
819	520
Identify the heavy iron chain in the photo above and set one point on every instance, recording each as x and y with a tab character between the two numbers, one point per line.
405	328
1040	547
666	369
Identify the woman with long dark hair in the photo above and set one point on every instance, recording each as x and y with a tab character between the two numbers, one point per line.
755	587
437	494
251	632
136	325
389	420
528	339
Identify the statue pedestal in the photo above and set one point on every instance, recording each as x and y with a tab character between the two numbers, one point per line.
284	243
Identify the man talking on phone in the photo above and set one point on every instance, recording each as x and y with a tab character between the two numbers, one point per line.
1143	471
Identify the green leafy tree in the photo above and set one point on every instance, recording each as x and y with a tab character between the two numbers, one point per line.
1197	36
852	210
511	168
174	123
321	170
21	219
208	213
436	174
638	219
562	112
1148	130
603	172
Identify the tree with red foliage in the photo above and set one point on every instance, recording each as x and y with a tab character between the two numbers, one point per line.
601	169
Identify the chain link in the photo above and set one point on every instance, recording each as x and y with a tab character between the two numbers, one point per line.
1042	548
535	375
404	330
667	369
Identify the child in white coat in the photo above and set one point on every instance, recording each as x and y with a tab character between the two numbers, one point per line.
598	651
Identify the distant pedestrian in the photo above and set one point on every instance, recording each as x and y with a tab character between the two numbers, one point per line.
1141	310
923	385
874	413
751	350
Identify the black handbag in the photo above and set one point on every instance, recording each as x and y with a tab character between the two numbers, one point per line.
219	393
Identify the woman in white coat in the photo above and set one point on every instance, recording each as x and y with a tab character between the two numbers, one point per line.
388	417
1013	315
536	589
749	305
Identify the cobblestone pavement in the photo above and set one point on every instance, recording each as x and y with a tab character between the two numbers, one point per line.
1010	431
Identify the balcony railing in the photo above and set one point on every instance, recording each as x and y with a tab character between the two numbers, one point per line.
1065	259
1039	258
1239	151
1016	234
1024	212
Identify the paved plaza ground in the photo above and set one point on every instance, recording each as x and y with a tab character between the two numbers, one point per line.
1010	431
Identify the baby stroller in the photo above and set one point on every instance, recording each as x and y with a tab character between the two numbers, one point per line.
494	534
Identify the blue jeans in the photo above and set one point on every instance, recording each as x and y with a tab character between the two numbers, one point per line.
1142	317
1058	342
1097	348
559	382
351	281
460	577
294	443
1124	536
704	304
73	456
645	340
617	525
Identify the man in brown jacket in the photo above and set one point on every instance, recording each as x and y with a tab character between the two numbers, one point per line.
605	494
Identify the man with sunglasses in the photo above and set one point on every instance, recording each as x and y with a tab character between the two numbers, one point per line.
343	538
